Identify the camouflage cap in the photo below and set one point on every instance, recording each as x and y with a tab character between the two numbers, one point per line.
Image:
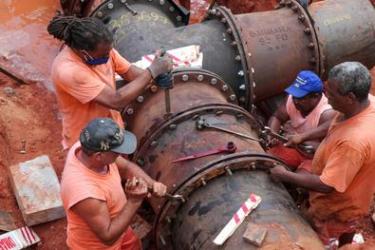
103	135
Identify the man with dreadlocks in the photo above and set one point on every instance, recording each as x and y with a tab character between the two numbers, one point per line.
84	77
84	74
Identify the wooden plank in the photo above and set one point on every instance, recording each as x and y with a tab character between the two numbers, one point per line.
37	190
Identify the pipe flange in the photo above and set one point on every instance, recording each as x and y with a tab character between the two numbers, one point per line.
244	89
226	165
151	138
304	18
183	76
177	14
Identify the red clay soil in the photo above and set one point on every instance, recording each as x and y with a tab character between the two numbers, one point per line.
29	114
198	8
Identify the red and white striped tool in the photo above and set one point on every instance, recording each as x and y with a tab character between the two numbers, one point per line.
250	204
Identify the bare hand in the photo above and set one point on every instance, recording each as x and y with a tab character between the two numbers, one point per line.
294	140
136	189
159	189
278	172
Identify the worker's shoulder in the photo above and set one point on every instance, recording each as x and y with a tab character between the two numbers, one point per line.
67	64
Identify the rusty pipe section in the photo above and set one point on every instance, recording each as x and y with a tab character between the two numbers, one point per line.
258	54
213	186
347	35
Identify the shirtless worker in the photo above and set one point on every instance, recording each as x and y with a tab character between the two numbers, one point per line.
98	211
305	116
342	183
84	74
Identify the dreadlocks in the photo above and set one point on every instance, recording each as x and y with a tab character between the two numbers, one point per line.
79	33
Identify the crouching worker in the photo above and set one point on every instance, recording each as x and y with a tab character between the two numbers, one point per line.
305	116
99	210
342	180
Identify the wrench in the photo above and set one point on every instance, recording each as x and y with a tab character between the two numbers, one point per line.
169	196
177	197
307	150
202	123
229	148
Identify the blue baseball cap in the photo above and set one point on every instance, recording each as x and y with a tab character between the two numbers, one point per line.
306	82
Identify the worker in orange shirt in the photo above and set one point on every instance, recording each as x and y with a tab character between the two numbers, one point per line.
98	211
304	117
342	180
84	74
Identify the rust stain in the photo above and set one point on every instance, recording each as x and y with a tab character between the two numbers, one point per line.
26	49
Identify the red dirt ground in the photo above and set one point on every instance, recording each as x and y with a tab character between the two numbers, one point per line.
31	114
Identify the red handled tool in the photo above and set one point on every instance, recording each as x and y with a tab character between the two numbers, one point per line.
229	148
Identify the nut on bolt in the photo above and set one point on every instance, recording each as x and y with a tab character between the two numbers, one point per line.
129	111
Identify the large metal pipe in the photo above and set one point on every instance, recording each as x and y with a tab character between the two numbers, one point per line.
258	54
214	186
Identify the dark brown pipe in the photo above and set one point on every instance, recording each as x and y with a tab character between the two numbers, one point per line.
258	54
346	32
213	186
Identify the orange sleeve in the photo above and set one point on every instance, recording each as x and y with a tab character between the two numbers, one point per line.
342	166
80	83
82	191
120	63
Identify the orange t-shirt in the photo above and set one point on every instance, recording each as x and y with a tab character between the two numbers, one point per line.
78	84
345	160
299	124
79	183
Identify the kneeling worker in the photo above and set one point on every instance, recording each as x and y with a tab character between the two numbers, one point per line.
342	183
98	210
305	116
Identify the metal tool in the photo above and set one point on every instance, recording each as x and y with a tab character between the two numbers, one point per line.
175	197
229	148
165	81
305	149
268	131
202	123
169	196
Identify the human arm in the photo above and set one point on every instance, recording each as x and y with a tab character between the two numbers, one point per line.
278	118
317	133
128	169
132	73
139	80
95	213
305	180
340	168
118	99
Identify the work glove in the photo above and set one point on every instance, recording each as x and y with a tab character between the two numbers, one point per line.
161	64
